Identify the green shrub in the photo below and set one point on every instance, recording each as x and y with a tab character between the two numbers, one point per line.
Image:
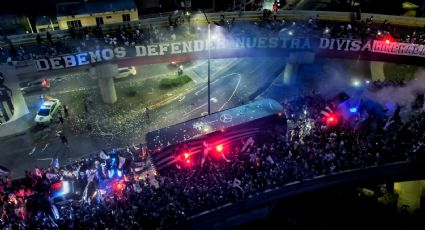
131	93
167	83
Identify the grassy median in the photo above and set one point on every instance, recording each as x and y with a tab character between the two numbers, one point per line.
169	83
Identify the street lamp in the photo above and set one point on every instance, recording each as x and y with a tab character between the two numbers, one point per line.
209	64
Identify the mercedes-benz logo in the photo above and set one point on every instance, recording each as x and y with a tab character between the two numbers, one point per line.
226	118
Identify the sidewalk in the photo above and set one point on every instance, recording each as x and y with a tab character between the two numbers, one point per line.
20	155
17	127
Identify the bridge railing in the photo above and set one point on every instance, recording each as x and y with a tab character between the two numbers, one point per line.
229	212
246	16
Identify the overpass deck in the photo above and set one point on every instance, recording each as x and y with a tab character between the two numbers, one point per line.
223	217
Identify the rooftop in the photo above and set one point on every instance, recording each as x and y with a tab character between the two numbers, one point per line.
91	7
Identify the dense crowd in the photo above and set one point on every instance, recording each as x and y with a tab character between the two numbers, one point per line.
310	148
131	195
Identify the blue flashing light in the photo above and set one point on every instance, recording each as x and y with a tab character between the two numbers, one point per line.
353	110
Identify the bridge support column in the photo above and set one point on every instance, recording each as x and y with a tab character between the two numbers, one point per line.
377	71
409	194
292	64
290	72
13	105
105	76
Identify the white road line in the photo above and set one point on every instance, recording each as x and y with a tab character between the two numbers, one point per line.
46	159
42	150
219	78
195	109
234	91
32	151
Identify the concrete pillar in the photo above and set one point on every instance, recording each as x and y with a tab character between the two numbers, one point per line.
290	72
377	70
20	107
104	74
293	61
409	194
107	90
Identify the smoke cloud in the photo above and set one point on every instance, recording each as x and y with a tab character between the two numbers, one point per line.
403	96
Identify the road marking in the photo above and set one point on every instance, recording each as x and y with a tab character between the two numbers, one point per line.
182	98
46	159
219	78
42	150
32	151
195	109
234	91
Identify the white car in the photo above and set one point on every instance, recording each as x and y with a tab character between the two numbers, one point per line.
47	111
125	72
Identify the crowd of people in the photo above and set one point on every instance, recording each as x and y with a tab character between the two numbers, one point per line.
122	190
144	199
180	27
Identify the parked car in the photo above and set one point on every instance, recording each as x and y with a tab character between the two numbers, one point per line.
48	111
34	86
125	72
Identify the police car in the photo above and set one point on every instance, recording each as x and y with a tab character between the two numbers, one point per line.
48	111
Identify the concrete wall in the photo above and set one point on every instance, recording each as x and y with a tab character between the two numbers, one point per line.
377	70
90	20
410	194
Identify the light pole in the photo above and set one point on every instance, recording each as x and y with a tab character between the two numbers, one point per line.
209	64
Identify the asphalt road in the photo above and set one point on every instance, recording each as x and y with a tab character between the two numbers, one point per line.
236	86
234	82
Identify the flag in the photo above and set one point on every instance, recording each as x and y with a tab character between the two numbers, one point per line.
327	111
103	155
4	171
144	152
138	169
55	212
205	152
50	176
137	188
249	142
90	177
389	122
237	184
121	161
270	159
37	172
56	163
326	114
152	181
135	147
224	157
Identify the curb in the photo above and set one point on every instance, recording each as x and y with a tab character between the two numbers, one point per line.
17	134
